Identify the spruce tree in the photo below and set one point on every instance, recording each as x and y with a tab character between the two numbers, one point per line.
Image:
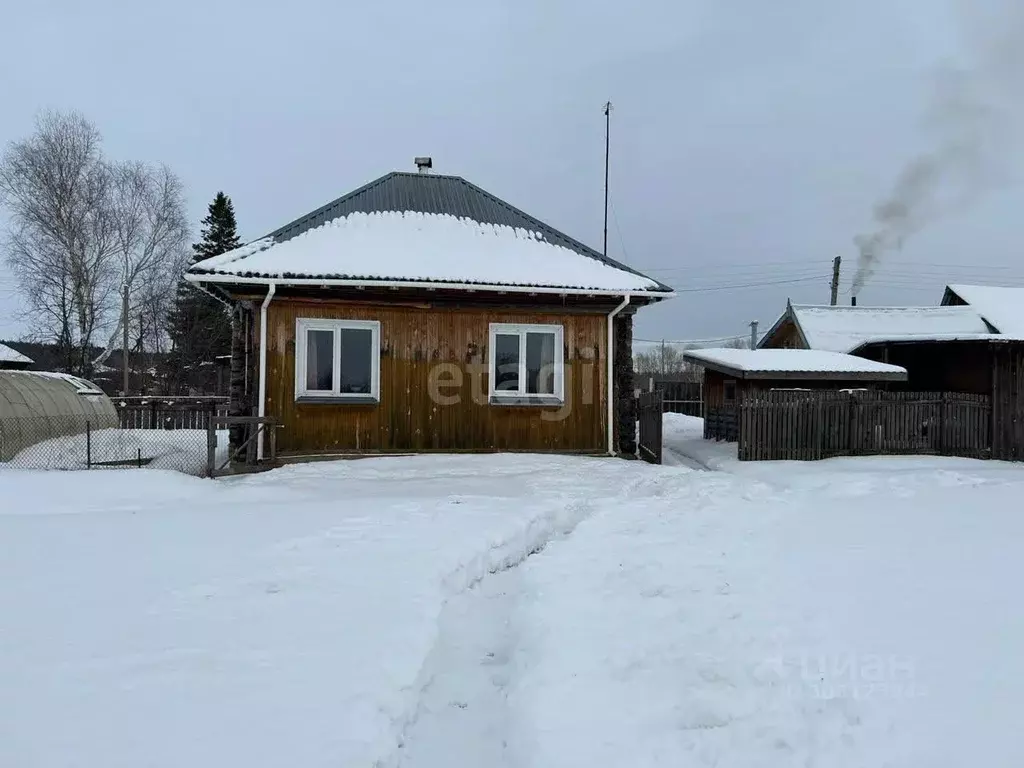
200	327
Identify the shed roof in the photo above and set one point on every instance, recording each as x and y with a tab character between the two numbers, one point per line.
843	329
1001	307
425	228
802	364
8	355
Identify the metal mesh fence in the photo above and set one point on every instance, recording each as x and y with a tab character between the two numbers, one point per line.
74	443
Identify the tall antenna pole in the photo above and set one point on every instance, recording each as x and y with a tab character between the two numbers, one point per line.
607	148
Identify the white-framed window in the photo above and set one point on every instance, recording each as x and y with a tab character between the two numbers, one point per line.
526	363
337	359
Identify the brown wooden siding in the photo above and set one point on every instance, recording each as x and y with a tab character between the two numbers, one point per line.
1007	366
932	367
786	337
421	347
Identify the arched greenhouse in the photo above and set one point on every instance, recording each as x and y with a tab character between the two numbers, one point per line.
37	406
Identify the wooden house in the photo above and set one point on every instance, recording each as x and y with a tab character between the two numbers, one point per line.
991	365
1001	308
732	374
12	360
422	313
843	328
972	344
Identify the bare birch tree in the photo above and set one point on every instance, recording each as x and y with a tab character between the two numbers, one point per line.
82	228
56	188
147	211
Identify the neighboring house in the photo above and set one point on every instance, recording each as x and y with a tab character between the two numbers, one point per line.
972	344
729	374
1001	308
420	312
12	360
844	328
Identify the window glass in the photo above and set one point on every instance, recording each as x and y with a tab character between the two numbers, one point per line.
320	360
356	360
506	362
540	363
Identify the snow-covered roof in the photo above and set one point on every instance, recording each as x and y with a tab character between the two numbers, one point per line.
1001	307
424	247
800	363
8	355
843	329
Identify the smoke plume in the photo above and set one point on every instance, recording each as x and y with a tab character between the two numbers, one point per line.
971	115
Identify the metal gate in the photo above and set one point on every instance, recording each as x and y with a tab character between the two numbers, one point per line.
649	407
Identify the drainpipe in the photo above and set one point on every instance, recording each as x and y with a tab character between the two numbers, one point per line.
611	373
262	408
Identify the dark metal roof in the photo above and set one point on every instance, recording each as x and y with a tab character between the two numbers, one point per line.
432	193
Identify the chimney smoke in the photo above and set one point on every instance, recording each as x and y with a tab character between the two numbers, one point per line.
974	114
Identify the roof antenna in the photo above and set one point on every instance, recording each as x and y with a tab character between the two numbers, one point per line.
607	147
424	164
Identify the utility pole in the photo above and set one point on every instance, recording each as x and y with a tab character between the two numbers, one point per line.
662	357
124	338
753	334
836	263
607	153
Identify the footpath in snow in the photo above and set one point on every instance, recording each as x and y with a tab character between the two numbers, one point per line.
149	618
519	611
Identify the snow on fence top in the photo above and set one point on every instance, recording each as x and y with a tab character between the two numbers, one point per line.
843	329
8	355
423	247
807	363
1002	307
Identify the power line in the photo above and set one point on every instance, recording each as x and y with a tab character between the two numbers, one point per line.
742	336
915	267
738	286
618	230
804	262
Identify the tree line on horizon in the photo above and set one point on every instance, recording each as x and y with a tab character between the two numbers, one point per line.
98	246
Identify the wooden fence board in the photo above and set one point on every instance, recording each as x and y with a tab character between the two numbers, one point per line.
815	424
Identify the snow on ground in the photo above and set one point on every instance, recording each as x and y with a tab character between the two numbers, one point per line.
150	618
517	611
182	450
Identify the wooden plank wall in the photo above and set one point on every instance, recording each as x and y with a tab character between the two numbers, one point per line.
818	424
649	412
418	343
1008	402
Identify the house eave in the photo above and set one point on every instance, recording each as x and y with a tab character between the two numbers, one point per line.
225	280
750	375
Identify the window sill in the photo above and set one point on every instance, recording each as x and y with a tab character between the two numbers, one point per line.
519	401
336	400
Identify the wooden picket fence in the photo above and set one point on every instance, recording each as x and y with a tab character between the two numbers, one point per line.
169	412
805	425
722	423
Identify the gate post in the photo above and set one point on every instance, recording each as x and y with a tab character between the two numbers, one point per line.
211	447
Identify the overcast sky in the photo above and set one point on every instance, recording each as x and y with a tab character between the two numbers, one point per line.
750	139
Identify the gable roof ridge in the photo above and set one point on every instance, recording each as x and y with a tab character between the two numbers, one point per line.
865	307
